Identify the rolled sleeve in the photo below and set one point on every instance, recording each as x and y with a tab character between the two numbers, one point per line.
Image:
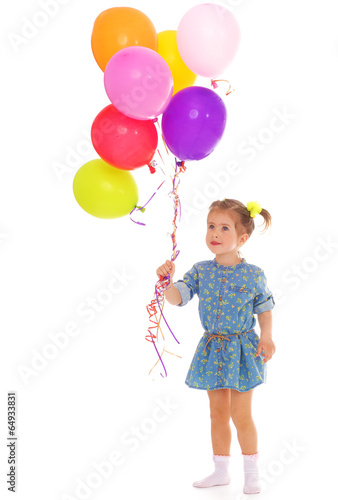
188	287
264	300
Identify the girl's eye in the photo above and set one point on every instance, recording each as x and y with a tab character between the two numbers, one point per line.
224	227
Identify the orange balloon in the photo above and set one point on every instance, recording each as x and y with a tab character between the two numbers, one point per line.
120	27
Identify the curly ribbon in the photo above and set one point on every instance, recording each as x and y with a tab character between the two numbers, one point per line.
177	205
158	301
215	86
162	284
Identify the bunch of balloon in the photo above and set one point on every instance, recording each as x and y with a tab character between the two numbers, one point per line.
139	85
147	76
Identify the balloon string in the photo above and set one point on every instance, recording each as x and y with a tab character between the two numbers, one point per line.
142	209
162	284
165	146
214	85
177	204
152	170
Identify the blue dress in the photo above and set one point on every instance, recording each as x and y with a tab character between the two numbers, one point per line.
229	296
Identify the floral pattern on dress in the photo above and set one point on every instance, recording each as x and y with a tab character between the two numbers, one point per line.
229	297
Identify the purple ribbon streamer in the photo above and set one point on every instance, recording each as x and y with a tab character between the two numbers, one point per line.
163	315
137	208
158	354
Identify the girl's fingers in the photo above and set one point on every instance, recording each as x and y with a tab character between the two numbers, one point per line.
163	271
167	268
267	355
268	352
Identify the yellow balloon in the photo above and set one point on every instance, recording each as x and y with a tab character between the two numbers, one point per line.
167	48
105	191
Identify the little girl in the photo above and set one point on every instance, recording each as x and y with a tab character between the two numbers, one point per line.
229	360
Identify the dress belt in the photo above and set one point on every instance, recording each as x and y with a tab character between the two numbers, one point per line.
223	337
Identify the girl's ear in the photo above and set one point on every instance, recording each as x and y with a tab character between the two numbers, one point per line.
244	238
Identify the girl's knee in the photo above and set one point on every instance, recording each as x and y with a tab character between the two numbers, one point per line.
241	420
220	414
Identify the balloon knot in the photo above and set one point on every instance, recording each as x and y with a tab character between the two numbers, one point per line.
214	84
152	166
181	165
141	209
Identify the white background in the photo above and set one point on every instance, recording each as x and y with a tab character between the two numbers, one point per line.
84	405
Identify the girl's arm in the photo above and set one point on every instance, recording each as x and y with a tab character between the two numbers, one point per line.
173	295
266	343
265	324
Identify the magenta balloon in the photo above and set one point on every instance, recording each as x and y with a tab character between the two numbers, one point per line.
139	83
194	123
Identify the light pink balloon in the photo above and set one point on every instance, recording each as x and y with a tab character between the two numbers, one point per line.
207	38
139	83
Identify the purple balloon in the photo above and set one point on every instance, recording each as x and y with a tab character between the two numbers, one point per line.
193	123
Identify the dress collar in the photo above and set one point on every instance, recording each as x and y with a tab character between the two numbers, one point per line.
235	266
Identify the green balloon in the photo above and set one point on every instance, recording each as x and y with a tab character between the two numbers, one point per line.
105	191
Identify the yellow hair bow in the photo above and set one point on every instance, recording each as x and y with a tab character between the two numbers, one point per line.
254	208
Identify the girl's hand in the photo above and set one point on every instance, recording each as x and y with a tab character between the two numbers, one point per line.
269	348
167	268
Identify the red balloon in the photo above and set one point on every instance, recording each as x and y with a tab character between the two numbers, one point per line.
123	142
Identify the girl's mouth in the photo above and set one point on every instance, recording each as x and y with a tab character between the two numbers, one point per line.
215	243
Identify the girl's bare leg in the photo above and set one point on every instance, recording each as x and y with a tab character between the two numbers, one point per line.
220	437
220	421
247	438
241	415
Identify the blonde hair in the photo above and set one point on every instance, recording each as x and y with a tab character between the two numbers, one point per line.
243	220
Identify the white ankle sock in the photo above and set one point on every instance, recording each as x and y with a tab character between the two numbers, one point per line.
221	475
251	475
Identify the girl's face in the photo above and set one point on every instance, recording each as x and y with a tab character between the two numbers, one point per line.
221	237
